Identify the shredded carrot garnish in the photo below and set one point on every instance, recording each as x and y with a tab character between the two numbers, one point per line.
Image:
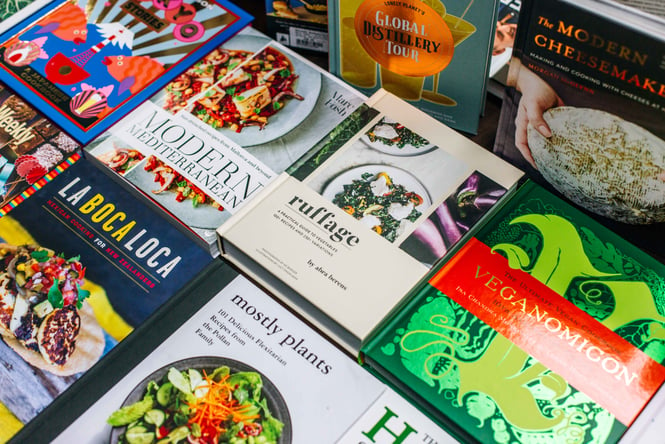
217	406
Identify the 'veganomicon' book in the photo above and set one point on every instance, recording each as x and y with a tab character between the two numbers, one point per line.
543	326
344	234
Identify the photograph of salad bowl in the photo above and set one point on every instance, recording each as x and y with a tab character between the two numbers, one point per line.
203	400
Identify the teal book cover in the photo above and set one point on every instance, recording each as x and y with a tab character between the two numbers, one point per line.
544	326
434	54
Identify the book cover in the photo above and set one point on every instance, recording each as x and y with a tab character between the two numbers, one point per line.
87	63
583	111
224	129
504	40
435	54
30	145
392	419
299	25
291	384
359	219
543	326
83	263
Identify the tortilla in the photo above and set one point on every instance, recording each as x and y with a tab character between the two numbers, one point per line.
603	163
89	347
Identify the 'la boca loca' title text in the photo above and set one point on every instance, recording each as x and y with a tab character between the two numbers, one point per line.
402	37
107	217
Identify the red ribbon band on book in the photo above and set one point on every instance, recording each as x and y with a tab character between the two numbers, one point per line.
592	358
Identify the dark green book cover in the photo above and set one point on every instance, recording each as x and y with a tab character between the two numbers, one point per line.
543	327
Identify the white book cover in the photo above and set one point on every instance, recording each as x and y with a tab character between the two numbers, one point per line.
393	420
308	390
224	129
347	232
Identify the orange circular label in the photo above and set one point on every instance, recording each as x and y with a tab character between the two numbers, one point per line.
407	37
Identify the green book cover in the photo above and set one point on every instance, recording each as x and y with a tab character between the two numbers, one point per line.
543	327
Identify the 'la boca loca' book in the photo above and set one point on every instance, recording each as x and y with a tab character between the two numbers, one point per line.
543	326
83	263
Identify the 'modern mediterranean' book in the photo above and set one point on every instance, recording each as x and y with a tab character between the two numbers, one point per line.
543	326
583	111
87	63
83	263
434	53
224	129
346	232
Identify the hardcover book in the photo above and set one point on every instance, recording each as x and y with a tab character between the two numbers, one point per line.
287	383
343	234
31	146
583	111
434	53
543	326
83	263
87	63
224	129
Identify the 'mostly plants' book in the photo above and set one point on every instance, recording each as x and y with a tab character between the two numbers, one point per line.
543	326
434	53
344	234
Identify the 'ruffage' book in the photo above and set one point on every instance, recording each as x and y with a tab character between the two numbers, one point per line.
346	232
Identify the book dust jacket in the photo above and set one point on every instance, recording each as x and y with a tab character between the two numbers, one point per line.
543	326
434	54
583	112
83	263
87	63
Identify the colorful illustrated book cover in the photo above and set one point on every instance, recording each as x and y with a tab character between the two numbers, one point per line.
362	216
243	352
30	145
434	53
221	131
544	326
302	25
87	63
83	263
583	112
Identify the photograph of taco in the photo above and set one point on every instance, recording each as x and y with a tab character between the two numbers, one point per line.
42	314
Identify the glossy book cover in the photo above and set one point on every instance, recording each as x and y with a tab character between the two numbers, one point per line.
543	326
434	54
87	63
200	152
83	264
